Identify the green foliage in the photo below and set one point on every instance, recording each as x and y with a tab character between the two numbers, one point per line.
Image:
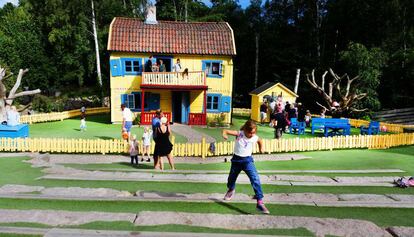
368	64
46	104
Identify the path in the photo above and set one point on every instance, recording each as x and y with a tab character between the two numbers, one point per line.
192	135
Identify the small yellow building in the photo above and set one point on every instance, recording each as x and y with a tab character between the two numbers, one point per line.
269	90
205	50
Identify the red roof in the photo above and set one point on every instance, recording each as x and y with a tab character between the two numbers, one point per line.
169	37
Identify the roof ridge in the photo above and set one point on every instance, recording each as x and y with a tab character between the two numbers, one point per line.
176	22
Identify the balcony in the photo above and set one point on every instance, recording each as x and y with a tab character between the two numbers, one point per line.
174	80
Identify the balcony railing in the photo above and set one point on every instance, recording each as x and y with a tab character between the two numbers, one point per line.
174	79
197	119
146	117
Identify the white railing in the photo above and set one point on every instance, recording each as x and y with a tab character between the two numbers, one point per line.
174	78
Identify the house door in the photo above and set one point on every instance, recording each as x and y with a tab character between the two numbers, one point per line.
167	60
180	106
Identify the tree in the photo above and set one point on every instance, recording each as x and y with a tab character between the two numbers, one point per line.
13	94
366	66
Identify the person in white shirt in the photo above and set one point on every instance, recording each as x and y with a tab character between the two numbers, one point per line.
126	120
133	150
146	143
83	123
242	159
13	117
177	66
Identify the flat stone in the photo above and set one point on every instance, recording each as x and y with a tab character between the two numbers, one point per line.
15	188
364	198
402	197
99	233
57	218
85	192
401	231
302	178
318	226
301	197
365	179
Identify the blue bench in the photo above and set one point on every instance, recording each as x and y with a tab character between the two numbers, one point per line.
334	126
317	123
372	129
21	130
296	126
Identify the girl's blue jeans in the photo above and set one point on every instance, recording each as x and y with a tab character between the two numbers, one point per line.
247	165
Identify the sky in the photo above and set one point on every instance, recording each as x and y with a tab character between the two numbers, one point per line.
243	3
2	2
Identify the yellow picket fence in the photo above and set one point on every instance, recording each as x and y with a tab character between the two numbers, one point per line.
61	145
59	116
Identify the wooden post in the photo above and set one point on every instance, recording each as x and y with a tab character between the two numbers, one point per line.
203	148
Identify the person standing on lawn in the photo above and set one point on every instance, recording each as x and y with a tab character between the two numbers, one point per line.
155	124
242	159
126	120
133	149
163	146
146	143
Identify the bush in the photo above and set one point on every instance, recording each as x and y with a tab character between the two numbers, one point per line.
46	104
217	121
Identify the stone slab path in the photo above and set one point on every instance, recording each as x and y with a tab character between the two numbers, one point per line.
318	226
58	218
313	199
61	232
67	173
261	171
401	231
193	136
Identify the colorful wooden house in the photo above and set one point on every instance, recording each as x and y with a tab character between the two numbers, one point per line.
269	90
206	49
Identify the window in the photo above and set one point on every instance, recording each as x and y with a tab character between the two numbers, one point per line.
213	68
133	101
132	66
213	101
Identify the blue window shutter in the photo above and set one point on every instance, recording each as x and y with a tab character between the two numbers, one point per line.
116	67
221	70
154	102
203	65
124	98
225	104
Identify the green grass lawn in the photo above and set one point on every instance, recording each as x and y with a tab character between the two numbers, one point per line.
98	127
14	171
11	171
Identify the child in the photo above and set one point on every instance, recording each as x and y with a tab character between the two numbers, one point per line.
83	123
133	150
242	159
308	118
146	142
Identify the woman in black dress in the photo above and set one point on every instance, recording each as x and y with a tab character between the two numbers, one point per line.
163	146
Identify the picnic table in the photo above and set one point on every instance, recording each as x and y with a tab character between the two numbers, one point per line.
334	127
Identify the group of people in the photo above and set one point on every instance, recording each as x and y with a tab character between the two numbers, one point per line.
160	133
12	117
281	114
159	66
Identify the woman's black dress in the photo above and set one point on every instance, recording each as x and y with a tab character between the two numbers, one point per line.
163	146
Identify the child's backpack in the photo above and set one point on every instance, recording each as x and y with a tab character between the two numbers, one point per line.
404	182
212	148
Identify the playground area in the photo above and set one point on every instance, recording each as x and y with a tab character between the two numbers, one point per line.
325	193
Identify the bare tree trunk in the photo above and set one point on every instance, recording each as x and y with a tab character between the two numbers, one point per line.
175	10
318	27
256	69
124	4
297	80
186	12
98	60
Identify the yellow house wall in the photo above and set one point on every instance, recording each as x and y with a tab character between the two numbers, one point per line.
257	100
131	83
255	112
